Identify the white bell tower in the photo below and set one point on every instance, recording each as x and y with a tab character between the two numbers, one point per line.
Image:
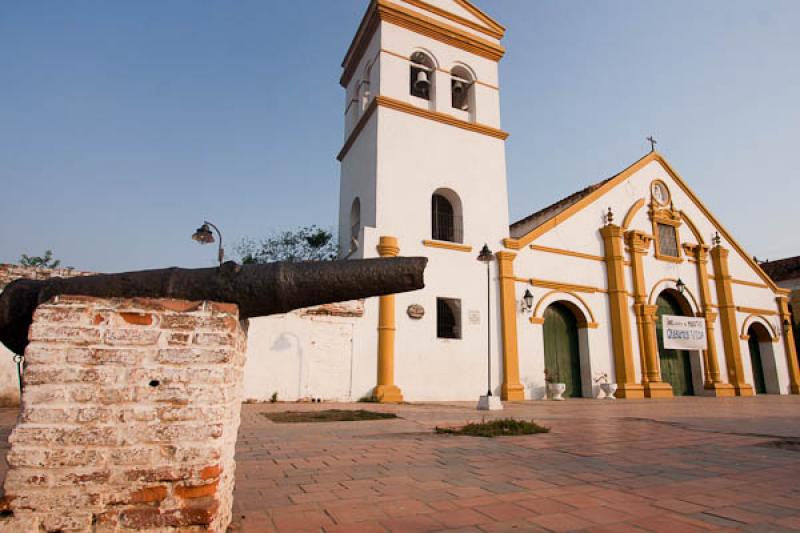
423	161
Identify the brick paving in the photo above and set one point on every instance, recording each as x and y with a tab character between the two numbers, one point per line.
688	464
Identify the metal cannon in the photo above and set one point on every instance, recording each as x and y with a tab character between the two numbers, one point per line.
258	290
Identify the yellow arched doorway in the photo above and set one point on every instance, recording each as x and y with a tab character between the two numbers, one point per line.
676	365
563	347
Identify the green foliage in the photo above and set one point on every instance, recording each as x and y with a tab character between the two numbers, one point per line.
310	243
40	261
496	428
330	415
273	398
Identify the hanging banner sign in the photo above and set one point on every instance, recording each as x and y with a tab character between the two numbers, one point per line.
684	333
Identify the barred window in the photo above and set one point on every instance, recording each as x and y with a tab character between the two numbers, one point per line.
668	240
448	318
446	223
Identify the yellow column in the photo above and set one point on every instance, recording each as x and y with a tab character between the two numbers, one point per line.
387	391
789	345
713	380
512	389
620	321
638	244
727	316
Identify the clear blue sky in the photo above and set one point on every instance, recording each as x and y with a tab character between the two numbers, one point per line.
124	124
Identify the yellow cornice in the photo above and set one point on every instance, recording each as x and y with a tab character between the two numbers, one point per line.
560	286
567	252
447	246
386	11
756	311
406	58
749	283
362	122
391	103
492	29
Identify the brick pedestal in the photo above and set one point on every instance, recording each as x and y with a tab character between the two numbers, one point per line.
129	417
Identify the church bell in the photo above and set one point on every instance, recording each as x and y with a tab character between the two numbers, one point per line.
422	81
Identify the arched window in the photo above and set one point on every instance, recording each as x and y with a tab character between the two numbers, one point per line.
446	219
462	91
355	224
421	75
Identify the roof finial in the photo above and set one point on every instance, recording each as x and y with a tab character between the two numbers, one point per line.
716	240
609	216
653	143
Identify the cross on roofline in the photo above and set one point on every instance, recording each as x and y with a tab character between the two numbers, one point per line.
653	143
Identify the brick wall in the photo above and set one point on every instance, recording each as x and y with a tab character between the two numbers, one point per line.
9	382
129	417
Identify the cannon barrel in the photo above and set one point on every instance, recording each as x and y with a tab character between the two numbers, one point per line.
258	290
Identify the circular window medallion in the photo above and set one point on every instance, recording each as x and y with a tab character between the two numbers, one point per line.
660	193
415	311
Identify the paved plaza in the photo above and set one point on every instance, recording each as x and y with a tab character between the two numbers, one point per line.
688	464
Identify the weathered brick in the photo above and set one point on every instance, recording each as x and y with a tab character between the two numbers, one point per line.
131	337
124	432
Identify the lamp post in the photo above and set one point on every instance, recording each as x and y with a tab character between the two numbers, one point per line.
488	402
203	235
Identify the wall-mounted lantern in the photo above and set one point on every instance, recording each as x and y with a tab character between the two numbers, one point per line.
527	301
681	286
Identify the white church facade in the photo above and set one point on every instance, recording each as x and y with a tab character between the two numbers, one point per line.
578	288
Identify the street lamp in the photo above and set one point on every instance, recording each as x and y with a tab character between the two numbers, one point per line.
203	235
488	402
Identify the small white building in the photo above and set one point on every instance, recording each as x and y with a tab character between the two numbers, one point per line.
423	173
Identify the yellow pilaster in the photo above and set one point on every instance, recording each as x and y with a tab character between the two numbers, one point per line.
638	244
789	345
387	391
727	316
620	321
712	381
512	389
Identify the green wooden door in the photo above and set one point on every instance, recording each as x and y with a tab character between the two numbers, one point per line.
561	349
676	367
755	361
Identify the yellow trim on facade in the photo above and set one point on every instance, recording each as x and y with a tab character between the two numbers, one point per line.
362	123
637	205
587	322
567	252
447	246
622	344
752	318
389	12
692	227
512	389
560	285
386	391
516	244
756	311
789	346
712	380
748	283
667	217
727	316
654	292
490	30
391	103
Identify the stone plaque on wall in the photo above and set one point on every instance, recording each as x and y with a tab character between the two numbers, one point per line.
415	311
474	317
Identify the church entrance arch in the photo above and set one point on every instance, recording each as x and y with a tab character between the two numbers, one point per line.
676	365
762	359
564	349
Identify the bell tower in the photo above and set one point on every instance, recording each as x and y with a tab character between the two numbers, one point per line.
423	161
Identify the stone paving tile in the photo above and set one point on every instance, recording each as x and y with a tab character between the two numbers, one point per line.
688	464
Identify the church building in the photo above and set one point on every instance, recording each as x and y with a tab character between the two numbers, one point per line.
578	289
